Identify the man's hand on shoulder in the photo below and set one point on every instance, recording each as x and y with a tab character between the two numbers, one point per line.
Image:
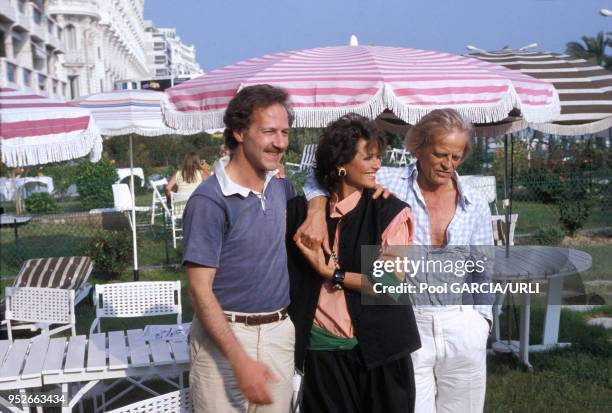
381	190
253	377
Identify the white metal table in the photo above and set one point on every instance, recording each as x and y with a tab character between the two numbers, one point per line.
527	263
31	363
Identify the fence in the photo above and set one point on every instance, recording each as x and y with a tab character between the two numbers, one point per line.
538	199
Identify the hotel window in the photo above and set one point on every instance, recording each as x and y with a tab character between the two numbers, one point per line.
50	26
55	85
11	71
71	42
37	15
27	77
2	47
42	82
21	5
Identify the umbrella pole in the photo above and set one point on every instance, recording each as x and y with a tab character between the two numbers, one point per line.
509	216
506	202
133	212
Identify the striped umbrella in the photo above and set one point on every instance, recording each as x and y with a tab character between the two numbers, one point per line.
328	82
124	112
36	130
129	112
585	89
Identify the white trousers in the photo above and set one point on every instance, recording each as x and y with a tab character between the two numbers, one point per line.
450	368
212	381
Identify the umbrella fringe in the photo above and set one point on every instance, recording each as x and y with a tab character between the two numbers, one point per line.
146	132
75	145
193	120
573	130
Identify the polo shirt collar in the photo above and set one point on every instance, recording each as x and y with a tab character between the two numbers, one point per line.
229	187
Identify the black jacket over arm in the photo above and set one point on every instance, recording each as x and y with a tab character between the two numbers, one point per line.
384	332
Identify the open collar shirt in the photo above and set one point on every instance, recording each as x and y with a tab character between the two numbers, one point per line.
469	226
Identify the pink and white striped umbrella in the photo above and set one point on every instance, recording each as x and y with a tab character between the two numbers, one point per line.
35	130
325	83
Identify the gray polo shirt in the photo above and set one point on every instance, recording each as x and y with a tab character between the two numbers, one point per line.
241	233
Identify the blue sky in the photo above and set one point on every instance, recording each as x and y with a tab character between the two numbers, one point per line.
226	31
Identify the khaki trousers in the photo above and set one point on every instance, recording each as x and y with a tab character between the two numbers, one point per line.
212	381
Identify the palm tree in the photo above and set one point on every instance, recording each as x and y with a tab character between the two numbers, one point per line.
593	50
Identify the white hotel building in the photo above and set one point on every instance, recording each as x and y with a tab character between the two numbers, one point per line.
71	48
31	48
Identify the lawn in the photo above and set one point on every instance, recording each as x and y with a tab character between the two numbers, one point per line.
578	379
533	215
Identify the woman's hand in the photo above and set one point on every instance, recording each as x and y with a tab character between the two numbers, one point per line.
316	258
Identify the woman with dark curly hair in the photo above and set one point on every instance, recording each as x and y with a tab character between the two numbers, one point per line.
355	357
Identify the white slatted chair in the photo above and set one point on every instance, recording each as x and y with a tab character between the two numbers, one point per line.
135	299
122	198
499	238
400	157
308	159
486	185
175	402
178	202
39	308
158	203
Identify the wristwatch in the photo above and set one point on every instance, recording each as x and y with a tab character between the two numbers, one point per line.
337	280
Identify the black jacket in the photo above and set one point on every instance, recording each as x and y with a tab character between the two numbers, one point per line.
384	332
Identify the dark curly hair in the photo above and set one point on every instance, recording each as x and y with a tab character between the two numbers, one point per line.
238	114
338	146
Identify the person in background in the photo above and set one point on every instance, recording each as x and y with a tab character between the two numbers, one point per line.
187	179
355	356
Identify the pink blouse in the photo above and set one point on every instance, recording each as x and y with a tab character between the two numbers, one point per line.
332	313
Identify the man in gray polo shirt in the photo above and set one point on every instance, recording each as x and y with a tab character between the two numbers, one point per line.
242	341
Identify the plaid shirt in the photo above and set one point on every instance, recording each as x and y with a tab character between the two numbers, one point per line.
466	227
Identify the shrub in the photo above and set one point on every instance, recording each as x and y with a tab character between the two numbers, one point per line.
40	203
548	235
111	252
94	183
573	213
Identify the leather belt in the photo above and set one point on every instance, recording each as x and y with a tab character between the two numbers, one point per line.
256	319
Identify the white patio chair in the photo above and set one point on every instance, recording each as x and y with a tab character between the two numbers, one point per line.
486	185
175	402
122	198
135	299
308	159
158	201
178	202
499	239
39	308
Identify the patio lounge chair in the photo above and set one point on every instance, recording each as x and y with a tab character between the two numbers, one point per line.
39	308
308	159
69	273
175	402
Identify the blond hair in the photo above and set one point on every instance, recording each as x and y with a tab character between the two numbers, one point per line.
436	123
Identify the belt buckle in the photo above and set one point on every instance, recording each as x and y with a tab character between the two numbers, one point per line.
246	320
